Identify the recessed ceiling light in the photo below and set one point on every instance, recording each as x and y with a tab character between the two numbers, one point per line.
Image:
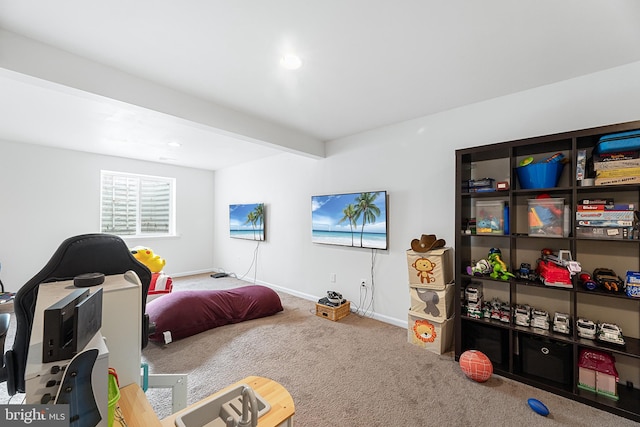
291	62
174	144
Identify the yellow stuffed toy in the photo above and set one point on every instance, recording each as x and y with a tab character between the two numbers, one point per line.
146	256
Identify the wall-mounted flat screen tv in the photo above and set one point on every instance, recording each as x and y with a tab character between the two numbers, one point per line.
247	221
350	219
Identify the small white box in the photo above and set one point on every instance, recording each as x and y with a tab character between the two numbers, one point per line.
431	303
431	269
433	336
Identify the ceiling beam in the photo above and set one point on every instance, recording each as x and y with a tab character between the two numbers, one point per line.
41	64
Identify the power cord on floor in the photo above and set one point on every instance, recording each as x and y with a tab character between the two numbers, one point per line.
254	265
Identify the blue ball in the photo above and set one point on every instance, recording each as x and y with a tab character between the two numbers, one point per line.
538	407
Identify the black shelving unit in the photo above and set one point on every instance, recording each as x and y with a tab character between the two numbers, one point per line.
505	342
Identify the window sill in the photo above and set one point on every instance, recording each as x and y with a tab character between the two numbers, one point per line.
150	237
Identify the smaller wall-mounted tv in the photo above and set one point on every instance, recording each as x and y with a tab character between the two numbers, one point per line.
247	221
350	219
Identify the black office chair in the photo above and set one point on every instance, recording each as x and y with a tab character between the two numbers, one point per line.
5	318
88	253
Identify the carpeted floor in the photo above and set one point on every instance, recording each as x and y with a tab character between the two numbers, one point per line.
354	372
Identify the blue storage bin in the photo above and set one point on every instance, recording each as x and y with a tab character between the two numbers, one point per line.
539	175
617	142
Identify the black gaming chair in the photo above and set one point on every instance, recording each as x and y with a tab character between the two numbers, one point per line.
88	253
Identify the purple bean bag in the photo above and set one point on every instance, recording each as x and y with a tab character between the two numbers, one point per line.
186	313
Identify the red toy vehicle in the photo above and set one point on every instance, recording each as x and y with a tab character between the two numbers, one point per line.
553	275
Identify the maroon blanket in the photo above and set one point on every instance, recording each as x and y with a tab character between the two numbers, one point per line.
186	313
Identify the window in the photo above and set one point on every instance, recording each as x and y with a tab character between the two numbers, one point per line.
136	205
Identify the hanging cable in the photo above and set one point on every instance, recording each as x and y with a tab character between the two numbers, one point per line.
254	262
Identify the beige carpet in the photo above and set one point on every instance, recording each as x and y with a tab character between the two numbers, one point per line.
355	372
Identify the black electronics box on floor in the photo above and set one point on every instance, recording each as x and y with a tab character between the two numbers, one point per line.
546	358
492	341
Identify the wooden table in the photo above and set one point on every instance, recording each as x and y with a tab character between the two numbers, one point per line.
282	407
137	410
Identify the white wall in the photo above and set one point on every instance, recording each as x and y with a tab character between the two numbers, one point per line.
47	195
415	162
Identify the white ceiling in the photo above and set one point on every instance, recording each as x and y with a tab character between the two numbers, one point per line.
366	64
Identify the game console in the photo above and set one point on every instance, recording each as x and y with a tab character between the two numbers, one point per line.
70	324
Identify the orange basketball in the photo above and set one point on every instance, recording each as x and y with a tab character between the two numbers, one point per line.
476	365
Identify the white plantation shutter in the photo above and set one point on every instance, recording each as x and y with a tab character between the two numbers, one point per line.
119	204
136	205
155	213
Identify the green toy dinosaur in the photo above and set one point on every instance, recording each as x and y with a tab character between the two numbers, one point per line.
500	271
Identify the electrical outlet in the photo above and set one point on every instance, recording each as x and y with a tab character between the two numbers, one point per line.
332	277
363	283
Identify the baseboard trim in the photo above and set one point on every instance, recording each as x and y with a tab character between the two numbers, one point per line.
192	273
380	317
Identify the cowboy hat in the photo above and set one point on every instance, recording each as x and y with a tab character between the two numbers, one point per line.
426	243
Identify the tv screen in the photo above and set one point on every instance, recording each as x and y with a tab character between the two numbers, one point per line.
350	219
247	221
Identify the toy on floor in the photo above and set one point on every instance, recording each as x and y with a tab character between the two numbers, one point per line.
538	407
146	256
476	365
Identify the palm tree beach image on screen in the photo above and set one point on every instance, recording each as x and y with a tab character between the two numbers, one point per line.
247	221
350	219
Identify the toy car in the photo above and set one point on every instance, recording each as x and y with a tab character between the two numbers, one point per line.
524	271
473	294
474	311
540	319
486	310
563	259
523	315
562	323
586	328
505	313
553	275
608	279
587	282
610	332
495	305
